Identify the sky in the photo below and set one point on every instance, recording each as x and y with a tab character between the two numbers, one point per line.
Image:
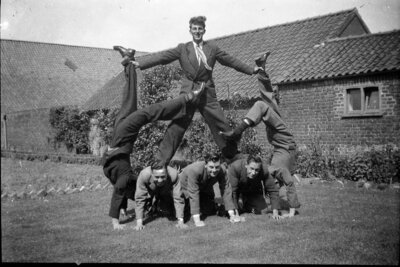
154	25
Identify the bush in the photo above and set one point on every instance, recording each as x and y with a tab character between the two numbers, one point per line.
375	165
71	128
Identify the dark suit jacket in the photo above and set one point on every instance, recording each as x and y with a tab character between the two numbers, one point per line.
237	175
193	72
194	179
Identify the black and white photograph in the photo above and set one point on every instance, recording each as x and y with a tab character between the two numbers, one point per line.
200	132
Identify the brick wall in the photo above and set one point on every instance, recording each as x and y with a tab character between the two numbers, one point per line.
311	110
315	110
29	131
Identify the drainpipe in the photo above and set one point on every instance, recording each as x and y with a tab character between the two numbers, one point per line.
5	130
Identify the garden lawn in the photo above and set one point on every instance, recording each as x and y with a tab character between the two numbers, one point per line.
336	224
23	175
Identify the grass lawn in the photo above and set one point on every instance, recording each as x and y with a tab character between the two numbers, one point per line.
23	175
336	225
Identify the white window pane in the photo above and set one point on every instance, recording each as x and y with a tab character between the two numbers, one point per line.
371	98
353	99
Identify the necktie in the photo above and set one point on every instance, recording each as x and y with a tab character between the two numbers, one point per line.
202	57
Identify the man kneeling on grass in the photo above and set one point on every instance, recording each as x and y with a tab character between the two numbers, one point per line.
160	189
250	181
198	181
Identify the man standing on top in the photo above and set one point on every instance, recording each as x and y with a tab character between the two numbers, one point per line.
197	60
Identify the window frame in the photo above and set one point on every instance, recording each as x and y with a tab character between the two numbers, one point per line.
363	112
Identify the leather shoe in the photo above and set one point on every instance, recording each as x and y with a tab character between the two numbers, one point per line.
125	52
260	61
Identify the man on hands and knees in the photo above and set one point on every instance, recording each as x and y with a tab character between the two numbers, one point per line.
160	188
198	181
251	182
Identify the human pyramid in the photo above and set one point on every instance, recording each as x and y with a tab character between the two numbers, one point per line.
243	180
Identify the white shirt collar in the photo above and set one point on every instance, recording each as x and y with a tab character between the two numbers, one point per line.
200	44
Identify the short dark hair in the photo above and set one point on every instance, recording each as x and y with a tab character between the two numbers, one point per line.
199	20
214	157
256	159
157	165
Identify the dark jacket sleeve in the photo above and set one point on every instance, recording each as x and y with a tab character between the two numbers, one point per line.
141	194
234	178
226	190
179	202
230	61
161	58
193	187
271	188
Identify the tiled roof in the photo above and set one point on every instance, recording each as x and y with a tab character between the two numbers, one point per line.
357	55
288	43
41	75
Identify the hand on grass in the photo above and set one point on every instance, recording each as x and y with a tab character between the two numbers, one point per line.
139	225
181	225
235	219
287	215
199	224
276	216
197	221
117	225
291	213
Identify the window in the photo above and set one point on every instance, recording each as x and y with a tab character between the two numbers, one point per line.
363	101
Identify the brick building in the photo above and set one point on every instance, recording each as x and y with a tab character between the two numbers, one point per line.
338	82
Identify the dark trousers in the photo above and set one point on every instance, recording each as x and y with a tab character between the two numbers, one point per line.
120	174
163	205
116	163
267	93
253	202
282	168
214	118
119	170
283	161
208	206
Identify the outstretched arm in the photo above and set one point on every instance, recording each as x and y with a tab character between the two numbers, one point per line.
161	58
227	60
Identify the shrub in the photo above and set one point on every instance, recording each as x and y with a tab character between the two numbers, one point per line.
375	165
71	128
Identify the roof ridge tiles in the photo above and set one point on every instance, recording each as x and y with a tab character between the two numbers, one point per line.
336	39
56	44
287	23
68	45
